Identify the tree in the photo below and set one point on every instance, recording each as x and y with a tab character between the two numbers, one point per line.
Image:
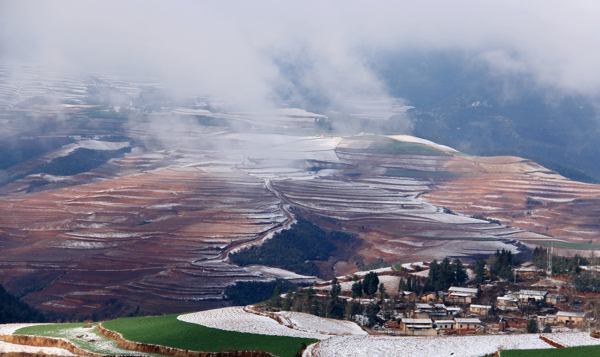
357	289
401	286
275	300
370	283
382	294
287	302
502	264
336	288
480	270
372	311
434	274
532	326
446	274
460	272
354	308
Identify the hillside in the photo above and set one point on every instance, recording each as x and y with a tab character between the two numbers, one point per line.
152	199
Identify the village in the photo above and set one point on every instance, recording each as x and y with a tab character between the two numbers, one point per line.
532	301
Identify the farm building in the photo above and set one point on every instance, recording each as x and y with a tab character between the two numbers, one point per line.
506	302
468	291
482	310
461	295
566	317
555	299
430	311
445	324
548	319
531	295
467	325
417	327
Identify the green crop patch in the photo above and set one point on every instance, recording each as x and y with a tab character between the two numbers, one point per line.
382	145
565	244
168	331
581	351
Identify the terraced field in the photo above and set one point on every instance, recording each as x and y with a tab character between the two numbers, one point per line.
148	238
149	232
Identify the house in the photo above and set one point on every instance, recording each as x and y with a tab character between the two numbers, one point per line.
531	295
408	295
528	272
446	325
417	327
469	291
575	318
430	311
548	319
555	299
482	310
453	310
461	295
506	302
466	325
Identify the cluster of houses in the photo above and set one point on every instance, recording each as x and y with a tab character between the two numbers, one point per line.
459	310
431	318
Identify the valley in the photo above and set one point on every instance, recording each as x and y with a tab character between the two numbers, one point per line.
157	197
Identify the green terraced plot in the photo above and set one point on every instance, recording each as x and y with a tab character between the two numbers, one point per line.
581	351
168	331
565	244
384	145
85	338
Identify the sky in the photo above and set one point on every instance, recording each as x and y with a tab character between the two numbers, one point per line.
248	51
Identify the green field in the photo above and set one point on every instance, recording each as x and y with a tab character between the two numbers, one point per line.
168	331
581	351
85	338
565	244
383	145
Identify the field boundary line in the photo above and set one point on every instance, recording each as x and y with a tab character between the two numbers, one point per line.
550	342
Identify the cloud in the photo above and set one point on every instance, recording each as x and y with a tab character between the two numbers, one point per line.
250	50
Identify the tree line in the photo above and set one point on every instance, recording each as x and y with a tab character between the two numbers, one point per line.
294	249
13	310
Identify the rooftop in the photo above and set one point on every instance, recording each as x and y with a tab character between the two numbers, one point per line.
468	321
463	290
570	314
417	321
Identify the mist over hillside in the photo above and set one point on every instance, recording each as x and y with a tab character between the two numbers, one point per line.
142	142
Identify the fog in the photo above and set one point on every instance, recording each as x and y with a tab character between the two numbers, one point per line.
250	52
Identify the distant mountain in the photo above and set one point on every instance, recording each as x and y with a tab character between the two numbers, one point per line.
462	102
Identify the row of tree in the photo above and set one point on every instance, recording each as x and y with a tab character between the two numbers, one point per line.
444	275
560	265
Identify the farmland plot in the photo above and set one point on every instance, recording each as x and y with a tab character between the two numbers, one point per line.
464	346
292	324
5	347
85	337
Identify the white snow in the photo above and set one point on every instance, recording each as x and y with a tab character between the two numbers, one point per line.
293	324
387	346
277	272
571	339
413	139
5	347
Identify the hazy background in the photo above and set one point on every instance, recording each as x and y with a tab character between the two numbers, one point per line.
486	77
